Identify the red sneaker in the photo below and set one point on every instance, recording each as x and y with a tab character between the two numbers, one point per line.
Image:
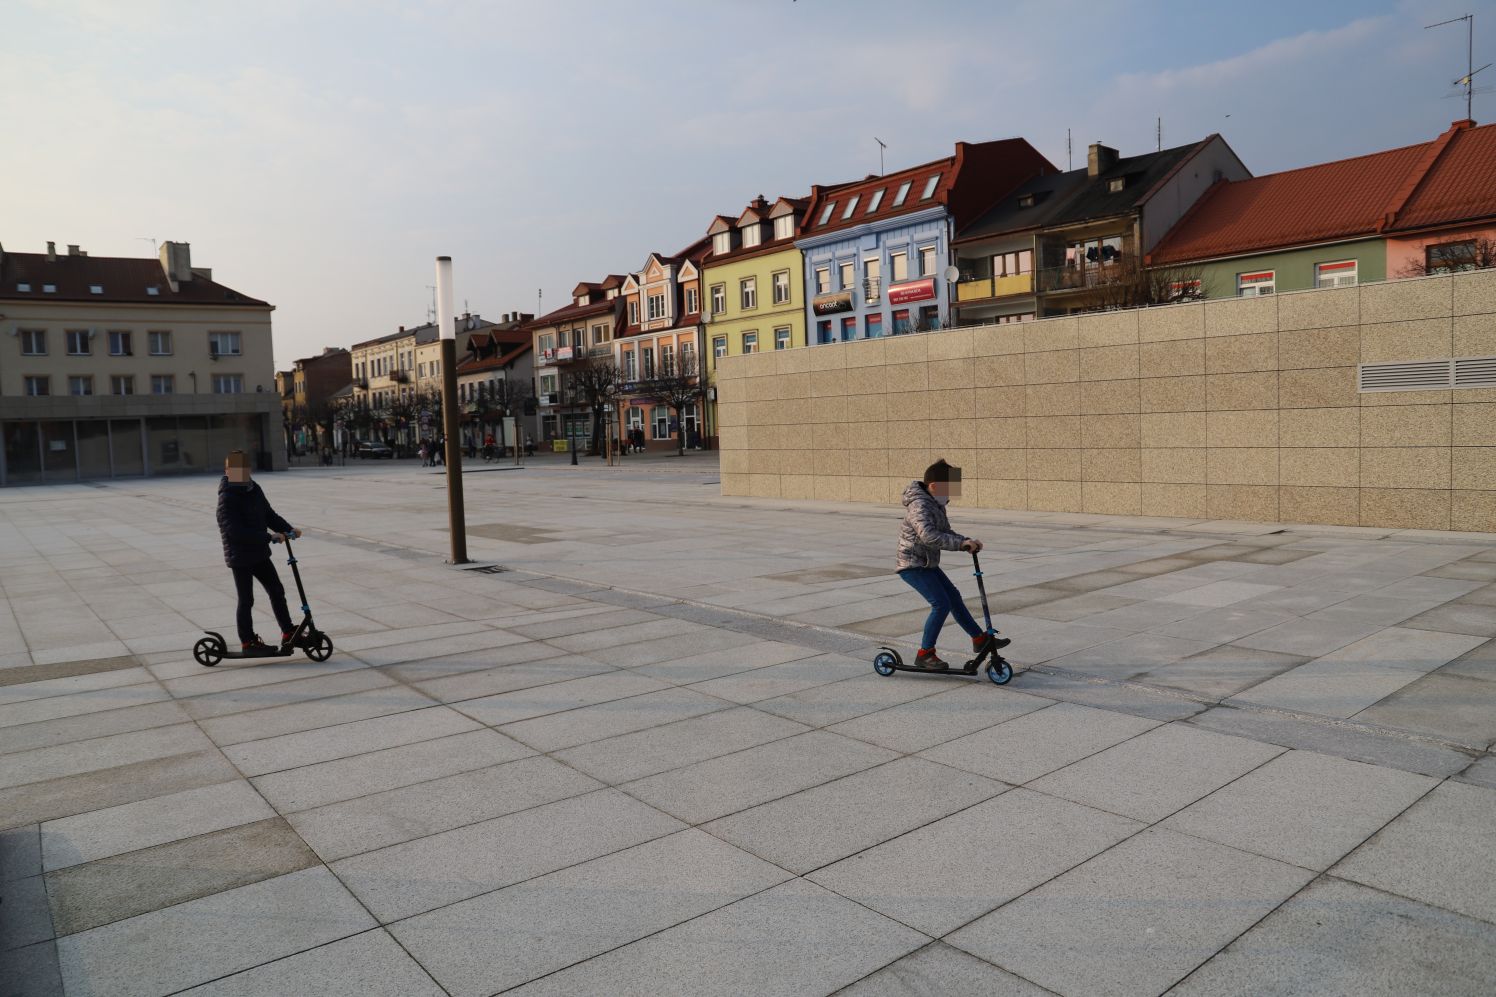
927	658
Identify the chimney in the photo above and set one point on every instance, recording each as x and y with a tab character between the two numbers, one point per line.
1099	159
402	330
176	263
759	204
51	252
73	249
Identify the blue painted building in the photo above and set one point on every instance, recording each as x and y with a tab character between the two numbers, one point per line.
875	251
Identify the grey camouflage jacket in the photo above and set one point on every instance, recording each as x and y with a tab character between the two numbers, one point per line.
926	530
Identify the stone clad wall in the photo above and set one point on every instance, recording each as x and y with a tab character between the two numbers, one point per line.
1241	409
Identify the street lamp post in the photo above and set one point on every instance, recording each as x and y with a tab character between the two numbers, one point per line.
447	328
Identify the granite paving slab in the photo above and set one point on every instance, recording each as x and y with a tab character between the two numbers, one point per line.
603	720
724	661
1129	656
483	682
805	940
1135	919
20	853
674	745
1021	750
557	697
58	761
509	937
31	971
937	970
27	917
365	965
326	744
947	873
1221	672
781	680
64	730
944	716
1448	706
1432	852
49	799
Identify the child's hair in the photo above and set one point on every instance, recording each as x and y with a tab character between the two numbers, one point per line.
236	458
941	471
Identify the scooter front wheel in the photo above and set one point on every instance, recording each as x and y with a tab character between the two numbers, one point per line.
999	671
208	651
320	647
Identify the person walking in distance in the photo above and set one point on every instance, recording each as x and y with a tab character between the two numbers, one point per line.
247	524
925	532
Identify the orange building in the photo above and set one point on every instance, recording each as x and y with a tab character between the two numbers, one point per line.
662	335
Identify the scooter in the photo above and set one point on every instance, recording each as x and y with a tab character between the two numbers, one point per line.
999	670
212	649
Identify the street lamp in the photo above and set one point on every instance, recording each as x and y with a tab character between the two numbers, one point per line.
447	329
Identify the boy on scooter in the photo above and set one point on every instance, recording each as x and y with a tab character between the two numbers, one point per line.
926	531
246	522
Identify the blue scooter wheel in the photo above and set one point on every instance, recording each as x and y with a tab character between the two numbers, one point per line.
885	664
999	671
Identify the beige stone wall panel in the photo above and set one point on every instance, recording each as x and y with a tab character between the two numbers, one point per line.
1054	465
953	344
1405	508
907	350
999	371
1052	399
1173	465
1321	467
1241	391
1241	354
997	340
869	463
829	489
863	353
1000	493
1405	426
1474	468
1173	429
908	434
1009	464
1108	363
1472	510
1117	328
1305	348
1111	465
1172	394
1474	425
830	435
1394	342
1055	365
1258	503
1402	300
1335	506
1111	397
1405	467
952	404
953	434
1474	336
1002	433
1320	427
1123	430
1000	403
1182	500
1322	387
1241	316
1475	293
1241	465
1051	334
1112	498
1172	358
952	374
1054	496
1171	322
1242	428
1054	432
1319	309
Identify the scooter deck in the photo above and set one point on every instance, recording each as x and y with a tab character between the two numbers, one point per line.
937	671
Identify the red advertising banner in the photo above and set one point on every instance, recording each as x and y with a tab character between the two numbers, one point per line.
914	290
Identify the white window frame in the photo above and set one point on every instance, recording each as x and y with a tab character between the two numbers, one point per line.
823	280
748	293
927	255
218	340
826	212
719	347
782	337
84	381
875	200
930	186
34	381
33	342
780	279
898	266
601	334
121	384
228	384
656	306
167	382
784	227
846	274
693	300
630	365
721	243
903	194
1336	273
1256	283
659	422
120	344
633	311
78	338
647	363
636	417
753	235
750	341
851	206
719	299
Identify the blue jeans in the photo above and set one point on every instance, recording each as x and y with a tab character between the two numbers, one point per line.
944	599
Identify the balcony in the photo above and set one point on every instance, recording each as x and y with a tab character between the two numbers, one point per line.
361	383
981	288
1091	276
872	290
399	376
974	289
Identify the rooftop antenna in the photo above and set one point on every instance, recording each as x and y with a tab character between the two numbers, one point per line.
431	311
146	238
881	146
1160	134
1468	80
539	297
1069	152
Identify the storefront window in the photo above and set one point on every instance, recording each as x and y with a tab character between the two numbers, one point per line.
93	448
23	455
901	323
875	325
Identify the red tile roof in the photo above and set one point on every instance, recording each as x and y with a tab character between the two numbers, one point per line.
1448	180
122	279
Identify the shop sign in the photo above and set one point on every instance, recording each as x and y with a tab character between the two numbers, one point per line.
830	304
914	290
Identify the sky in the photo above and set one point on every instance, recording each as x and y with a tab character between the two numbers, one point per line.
319	154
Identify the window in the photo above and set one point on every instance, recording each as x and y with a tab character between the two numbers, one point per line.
223	344
693	300
930	186
34	342
36	387
636	418
823	332
784	226
851	206
1447	257
160	343
49	288
1013	319
78	345
163	384
826	213
719	299
875	325
630	365
1338	274
228	384
153	290
927	261
548	384
823	280
23	286
719	347
633	311
750	342
929	318
1115	186
660	422
96	289
781	281
656	306
667	359
753	234
649	363
872	273
121	384
782	338
119	344
875	200
901	322
1013	264
849	328
898	265
547	343
899	198
748	293
1251	285
847	272
601	334
722	243
80	385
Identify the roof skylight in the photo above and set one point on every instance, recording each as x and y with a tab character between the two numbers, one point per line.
877	199
930	186
826	214
851	206
898	199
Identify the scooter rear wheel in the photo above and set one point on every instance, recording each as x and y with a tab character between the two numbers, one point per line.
999	671
885	664
320	647
208	652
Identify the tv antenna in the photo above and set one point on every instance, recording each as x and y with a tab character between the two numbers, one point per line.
145	238
881	146
1069	152
1468	80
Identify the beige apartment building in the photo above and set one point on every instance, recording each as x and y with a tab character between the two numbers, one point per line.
125	367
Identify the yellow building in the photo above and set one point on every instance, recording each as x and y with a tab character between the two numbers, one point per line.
755	285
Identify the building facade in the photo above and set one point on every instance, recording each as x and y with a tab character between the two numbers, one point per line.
396	379
564	341
124	367
755	285
496	380
875	252
661	337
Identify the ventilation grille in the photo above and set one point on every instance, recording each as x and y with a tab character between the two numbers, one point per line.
1429	375
491	569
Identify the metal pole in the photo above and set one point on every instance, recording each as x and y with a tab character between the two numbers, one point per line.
447	329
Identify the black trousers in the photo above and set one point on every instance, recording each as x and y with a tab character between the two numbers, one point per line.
244	583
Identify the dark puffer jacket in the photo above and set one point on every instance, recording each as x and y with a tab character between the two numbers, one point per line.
245	520
926	530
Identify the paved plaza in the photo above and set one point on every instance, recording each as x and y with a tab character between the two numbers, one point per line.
639	748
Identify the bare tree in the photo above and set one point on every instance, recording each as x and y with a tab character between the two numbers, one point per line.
1478	253
1129	284
598	381
678	389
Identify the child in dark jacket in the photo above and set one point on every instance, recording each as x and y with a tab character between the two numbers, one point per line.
926	531
247	524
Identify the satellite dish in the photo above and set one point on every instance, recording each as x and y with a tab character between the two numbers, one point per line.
952	274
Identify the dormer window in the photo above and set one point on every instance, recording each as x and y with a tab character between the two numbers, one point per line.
153	290
784	226
49	288
826	212
722	243
877	199
23	286
851	206
930	186
96	289
581	299
1115	186
753	234
612	293
1026	201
